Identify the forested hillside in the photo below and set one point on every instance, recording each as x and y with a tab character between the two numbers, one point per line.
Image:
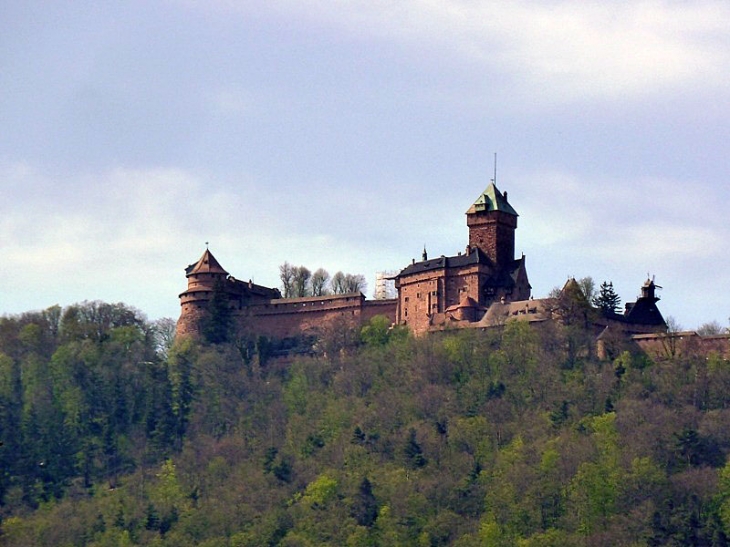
112	436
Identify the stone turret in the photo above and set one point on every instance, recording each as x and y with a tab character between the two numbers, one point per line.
202	277
205	277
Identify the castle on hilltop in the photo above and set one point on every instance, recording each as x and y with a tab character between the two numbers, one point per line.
436	292
481	287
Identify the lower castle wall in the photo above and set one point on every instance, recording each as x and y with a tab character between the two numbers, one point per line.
292	317
371	308
288	322
678	344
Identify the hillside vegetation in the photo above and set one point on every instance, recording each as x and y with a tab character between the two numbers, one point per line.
512	436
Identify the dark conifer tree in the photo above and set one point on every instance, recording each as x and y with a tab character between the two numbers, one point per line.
607	300
365	508
413	452
218	326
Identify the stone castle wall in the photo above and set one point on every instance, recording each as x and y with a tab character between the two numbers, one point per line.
280	317
677	344
291	317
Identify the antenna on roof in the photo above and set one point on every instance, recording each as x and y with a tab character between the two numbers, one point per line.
206	245
494	180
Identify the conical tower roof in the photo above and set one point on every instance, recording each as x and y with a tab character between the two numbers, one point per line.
206	264
492	200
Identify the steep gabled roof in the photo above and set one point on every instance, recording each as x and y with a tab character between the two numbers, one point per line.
206	264
644	312
491	200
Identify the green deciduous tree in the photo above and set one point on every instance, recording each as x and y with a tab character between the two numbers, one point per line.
595	488
286	274
379	331
332	450
320	279
320	492
348	283
300	282
587	287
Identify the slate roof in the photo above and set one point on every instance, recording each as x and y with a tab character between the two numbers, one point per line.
503	278
476	256
644	312
251	289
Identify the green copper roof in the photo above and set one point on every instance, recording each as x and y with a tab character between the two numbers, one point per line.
492	200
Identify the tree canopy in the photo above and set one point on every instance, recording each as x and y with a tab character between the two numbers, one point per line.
299	281
501	437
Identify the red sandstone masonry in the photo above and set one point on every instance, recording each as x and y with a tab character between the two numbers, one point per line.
422	296
290	317
494	233
256	312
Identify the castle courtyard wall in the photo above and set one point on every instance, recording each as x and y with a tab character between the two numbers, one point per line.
292	317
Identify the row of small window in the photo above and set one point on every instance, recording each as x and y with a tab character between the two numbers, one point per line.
418	295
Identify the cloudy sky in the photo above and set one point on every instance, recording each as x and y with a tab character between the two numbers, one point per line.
348	135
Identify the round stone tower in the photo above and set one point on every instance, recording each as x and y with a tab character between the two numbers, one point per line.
202	279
